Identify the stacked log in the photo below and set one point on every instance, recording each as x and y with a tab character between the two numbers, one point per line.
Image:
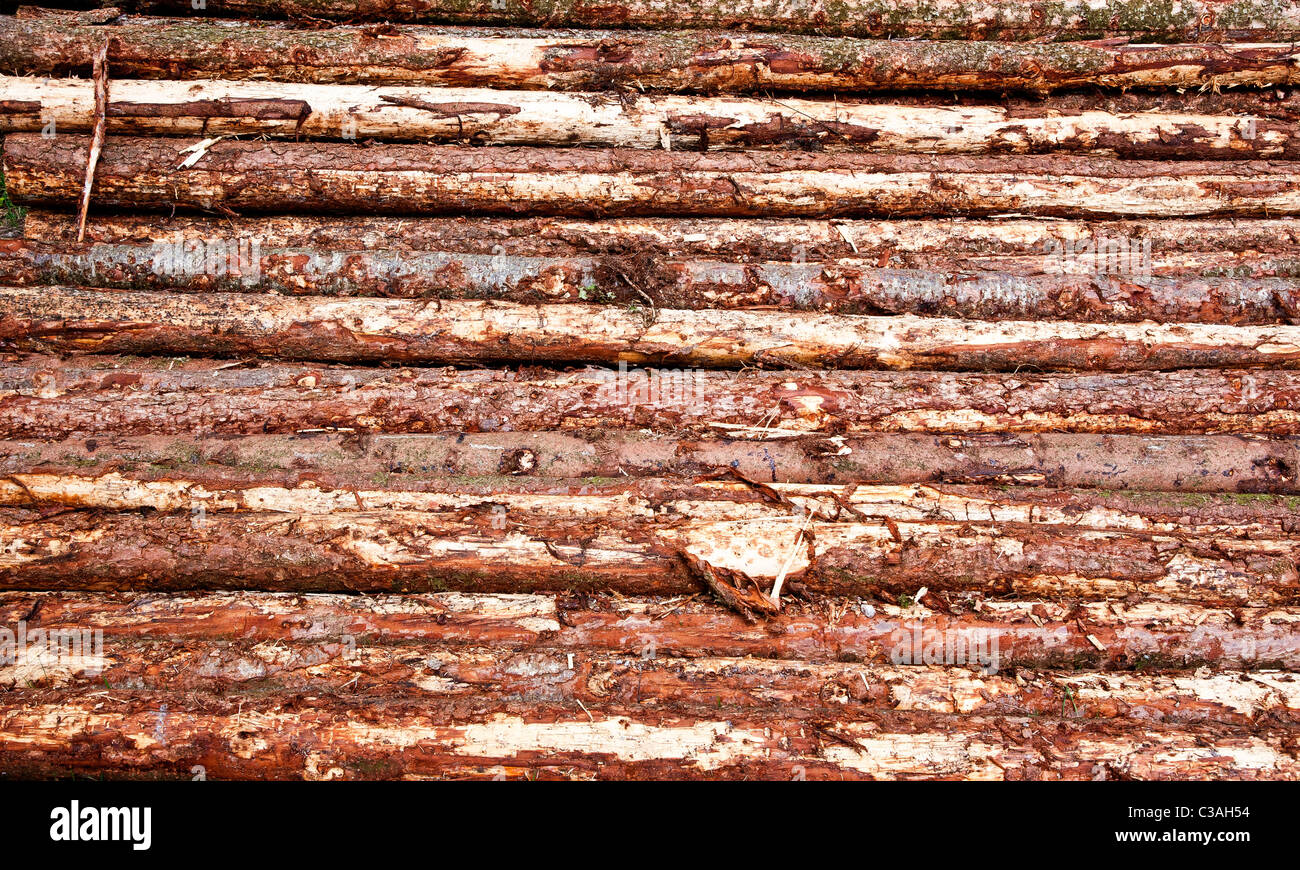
771	398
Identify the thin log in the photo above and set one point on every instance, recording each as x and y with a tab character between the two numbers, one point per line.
1111	279
50	398
430	179
1186	463
598	60
118	532
1030	633
1000	19
454	331
672	122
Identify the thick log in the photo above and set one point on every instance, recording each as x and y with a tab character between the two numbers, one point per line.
49	398
621	681
455	331
1030	633
1113	280
598	60
118	532
430	179
1185	463
44	734
672	122
1206	247
1000	19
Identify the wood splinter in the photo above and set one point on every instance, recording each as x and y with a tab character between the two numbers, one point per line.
96	136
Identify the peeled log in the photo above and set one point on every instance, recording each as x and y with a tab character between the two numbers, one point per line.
671	122
118	532
1049	285
998	19
454	331
1030	633
1186	463
432	179
600	60
51	398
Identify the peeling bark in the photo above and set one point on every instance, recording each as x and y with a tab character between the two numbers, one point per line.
1193	464
691	123
414	179
598	60
454	331
116	532
49	398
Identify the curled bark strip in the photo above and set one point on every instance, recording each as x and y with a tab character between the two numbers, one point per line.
733	588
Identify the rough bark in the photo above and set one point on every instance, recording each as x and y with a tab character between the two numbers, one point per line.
1030	633
1214	463
651	60
50	398
671	122
456	331
431	179
1113	279
118	532
1001	19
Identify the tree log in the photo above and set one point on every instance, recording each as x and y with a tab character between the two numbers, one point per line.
118	532
671	122
1001	19
1211	463
51	399
1114	281
419	179
454	331
598	60
1031	633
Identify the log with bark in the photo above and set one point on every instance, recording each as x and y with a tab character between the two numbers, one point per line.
701	61
1203	248
654	536
1030	633
52	398
1112	278
456	331
1208	463
999	19
164	174
671	122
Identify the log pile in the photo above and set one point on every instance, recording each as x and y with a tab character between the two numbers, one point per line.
428	392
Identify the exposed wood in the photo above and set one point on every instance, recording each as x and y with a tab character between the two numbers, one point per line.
675	122
1185	463
50	398
650	60
177	533
1002	19
456	331
430	179
1031	633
